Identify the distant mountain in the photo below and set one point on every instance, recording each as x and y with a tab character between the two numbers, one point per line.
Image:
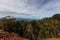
26	19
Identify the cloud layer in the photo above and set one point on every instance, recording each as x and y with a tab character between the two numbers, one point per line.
29	8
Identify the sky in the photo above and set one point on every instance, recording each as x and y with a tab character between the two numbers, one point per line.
29	8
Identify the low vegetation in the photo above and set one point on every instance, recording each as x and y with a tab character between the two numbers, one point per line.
33	30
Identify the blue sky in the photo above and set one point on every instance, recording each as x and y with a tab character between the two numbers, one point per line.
29	8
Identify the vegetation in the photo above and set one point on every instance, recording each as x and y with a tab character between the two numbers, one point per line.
33	30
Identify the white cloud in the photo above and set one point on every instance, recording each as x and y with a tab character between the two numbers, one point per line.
35	8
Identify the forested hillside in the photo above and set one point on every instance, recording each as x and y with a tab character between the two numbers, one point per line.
33	30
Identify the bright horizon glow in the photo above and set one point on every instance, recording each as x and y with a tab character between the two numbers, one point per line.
29	8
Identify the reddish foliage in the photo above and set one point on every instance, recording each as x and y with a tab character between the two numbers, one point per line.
53	39
10	36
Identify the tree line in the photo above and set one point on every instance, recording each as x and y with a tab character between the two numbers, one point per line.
35	29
